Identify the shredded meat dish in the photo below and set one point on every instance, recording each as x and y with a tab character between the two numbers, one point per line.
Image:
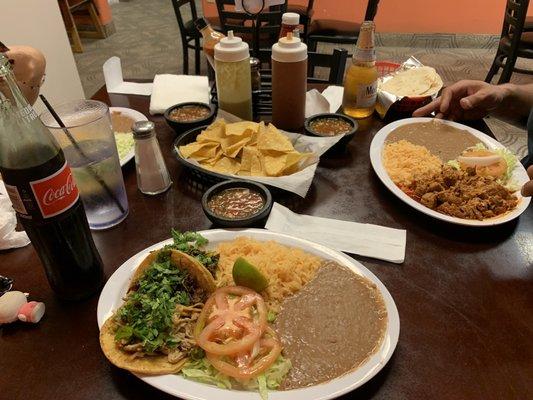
462	194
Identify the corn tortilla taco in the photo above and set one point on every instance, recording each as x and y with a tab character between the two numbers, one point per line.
152	332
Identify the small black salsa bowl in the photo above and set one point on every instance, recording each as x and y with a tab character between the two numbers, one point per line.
180	127
342	143
254	219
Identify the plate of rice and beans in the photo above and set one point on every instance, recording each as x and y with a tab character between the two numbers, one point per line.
247	314
449	171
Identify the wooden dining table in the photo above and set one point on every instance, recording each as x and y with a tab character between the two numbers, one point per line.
464	295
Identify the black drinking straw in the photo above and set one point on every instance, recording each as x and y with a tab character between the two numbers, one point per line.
92	172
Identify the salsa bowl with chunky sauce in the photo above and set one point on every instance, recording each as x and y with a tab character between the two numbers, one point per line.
332	124
185	116
237	203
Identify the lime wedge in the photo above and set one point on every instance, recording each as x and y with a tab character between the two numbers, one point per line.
245	274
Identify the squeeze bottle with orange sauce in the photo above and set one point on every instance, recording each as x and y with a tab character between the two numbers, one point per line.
289	83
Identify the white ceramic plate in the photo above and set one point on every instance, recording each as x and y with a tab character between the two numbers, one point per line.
519	174
136	116
116	286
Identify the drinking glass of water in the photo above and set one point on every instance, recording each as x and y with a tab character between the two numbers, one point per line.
91	151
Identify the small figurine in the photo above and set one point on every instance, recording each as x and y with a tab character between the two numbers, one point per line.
14	305
29	67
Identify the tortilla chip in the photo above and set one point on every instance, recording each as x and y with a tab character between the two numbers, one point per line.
257	166
226	166
213	133
239	128
199	151
234	149
273	139
274	165
246	158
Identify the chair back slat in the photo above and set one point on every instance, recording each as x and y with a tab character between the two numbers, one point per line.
177	5
336	62
268	23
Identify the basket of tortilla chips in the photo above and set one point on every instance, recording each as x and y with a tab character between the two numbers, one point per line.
410	87
254	151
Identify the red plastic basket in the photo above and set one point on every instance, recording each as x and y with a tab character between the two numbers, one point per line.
386	67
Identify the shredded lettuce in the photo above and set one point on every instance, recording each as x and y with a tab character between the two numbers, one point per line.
202	371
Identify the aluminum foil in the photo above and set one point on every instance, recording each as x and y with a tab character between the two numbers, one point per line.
392	107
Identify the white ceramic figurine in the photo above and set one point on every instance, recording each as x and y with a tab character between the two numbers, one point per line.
14	305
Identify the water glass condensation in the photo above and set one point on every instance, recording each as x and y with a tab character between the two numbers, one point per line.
90	148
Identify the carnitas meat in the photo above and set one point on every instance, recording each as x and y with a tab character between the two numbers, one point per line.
463	194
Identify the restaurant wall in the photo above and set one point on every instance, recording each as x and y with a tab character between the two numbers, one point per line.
413	16
38	23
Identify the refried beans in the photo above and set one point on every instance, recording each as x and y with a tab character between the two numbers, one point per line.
331	326
445	141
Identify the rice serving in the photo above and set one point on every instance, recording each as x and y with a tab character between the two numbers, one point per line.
406	162
287	269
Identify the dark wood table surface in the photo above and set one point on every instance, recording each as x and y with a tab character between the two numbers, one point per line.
465	296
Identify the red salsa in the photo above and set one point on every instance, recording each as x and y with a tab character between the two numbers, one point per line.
236	203
330	126
189	113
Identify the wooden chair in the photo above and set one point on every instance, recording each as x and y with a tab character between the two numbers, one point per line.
338	32
189	34
267	24
72	8
306	13
514	42
335	62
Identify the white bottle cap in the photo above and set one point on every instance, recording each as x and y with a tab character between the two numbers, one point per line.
231	49
290	18
289	49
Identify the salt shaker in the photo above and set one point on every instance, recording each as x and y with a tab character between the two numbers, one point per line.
152	173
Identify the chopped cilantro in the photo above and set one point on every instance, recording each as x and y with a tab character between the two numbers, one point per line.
146	316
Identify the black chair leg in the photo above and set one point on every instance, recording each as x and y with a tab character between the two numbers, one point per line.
508	68
197	56
493	68
185	59
311	46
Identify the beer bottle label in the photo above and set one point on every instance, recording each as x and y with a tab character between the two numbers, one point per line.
55	193
366	94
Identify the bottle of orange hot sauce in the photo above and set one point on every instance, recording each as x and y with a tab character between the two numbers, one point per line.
289	83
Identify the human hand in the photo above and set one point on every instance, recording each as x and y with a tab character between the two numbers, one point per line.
465	100
527	189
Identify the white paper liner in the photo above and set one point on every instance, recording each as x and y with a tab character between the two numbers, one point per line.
298	182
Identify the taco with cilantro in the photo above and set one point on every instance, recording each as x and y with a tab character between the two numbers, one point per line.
152	332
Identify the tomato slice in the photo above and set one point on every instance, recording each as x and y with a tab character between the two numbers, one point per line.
233	319
247	366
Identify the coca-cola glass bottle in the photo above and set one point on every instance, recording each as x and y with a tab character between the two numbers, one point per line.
44	195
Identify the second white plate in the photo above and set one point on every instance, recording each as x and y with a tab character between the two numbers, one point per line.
376	147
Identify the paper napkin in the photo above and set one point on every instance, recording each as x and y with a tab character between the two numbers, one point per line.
173	89
115	82
9	238
366	240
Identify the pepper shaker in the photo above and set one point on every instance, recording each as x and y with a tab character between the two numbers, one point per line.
152	173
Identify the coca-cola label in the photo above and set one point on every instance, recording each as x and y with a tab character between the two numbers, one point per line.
55	193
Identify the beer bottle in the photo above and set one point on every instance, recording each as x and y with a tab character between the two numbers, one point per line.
360	83
44	195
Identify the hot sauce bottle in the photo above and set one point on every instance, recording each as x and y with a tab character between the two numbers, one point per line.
289	83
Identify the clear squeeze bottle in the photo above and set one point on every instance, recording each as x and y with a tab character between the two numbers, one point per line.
289	83
233	76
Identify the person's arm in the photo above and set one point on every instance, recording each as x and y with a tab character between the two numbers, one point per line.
476	99
527	189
